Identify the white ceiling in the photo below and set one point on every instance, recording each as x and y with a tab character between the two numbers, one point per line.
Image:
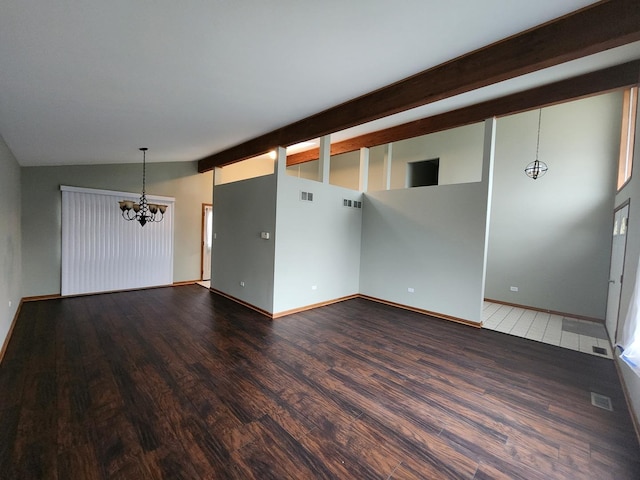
90	81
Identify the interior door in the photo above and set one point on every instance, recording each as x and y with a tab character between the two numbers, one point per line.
207	234
616	271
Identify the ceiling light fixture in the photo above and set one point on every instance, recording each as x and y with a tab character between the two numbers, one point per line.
143	211
296	147
537	168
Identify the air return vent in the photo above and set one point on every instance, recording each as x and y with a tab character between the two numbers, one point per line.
306	196
601	401
599	350
351	203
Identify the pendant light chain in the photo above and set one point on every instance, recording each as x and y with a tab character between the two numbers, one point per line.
144	165
537	168
143	212
538	144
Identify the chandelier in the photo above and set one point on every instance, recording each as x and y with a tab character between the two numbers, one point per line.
537	168
142	211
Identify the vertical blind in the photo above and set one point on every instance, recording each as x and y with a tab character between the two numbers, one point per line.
103	252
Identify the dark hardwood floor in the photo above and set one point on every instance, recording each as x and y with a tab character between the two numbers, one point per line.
180	383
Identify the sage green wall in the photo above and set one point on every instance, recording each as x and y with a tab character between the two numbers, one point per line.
459	150
10	239
376	169
249	168
310	244
318	244
345	170
431	240
551	237
41	210
242	264
308	170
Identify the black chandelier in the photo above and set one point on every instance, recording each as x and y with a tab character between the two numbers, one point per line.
142	211
537	168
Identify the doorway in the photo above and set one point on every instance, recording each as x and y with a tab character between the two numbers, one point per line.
616	271
207	239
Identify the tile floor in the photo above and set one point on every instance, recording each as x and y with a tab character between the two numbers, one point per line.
580	335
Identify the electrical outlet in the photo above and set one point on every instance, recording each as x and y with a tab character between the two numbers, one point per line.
9	303
242	284
410	290
513	289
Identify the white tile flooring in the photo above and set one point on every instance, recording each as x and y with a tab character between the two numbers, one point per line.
542	327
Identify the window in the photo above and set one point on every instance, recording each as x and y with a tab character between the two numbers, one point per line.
627	136
423	174
629	342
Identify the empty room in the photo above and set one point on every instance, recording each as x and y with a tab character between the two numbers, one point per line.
319	240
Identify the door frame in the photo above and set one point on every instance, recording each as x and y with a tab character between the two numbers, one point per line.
626	203
203	227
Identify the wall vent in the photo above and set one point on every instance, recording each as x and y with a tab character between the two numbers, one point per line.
351	203
306	196
599	350
601	401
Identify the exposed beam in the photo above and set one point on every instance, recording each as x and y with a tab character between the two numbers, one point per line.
612	78
587	31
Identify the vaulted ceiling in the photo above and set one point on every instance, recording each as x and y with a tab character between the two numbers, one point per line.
88	81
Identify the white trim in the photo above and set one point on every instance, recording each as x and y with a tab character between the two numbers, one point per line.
94	191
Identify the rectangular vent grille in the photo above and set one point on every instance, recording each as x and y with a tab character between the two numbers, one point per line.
306	196
599	350
601	401
351	203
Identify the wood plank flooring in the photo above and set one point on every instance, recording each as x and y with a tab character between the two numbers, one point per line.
180	383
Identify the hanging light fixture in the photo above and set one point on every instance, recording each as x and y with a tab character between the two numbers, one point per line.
537	168
142	211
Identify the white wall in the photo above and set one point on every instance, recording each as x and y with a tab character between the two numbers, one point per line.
551	237
241	211
318	244
10	240
631	192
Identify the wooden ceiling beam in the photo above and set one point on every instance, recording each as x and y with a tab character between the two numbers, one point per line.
593	29
620	76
